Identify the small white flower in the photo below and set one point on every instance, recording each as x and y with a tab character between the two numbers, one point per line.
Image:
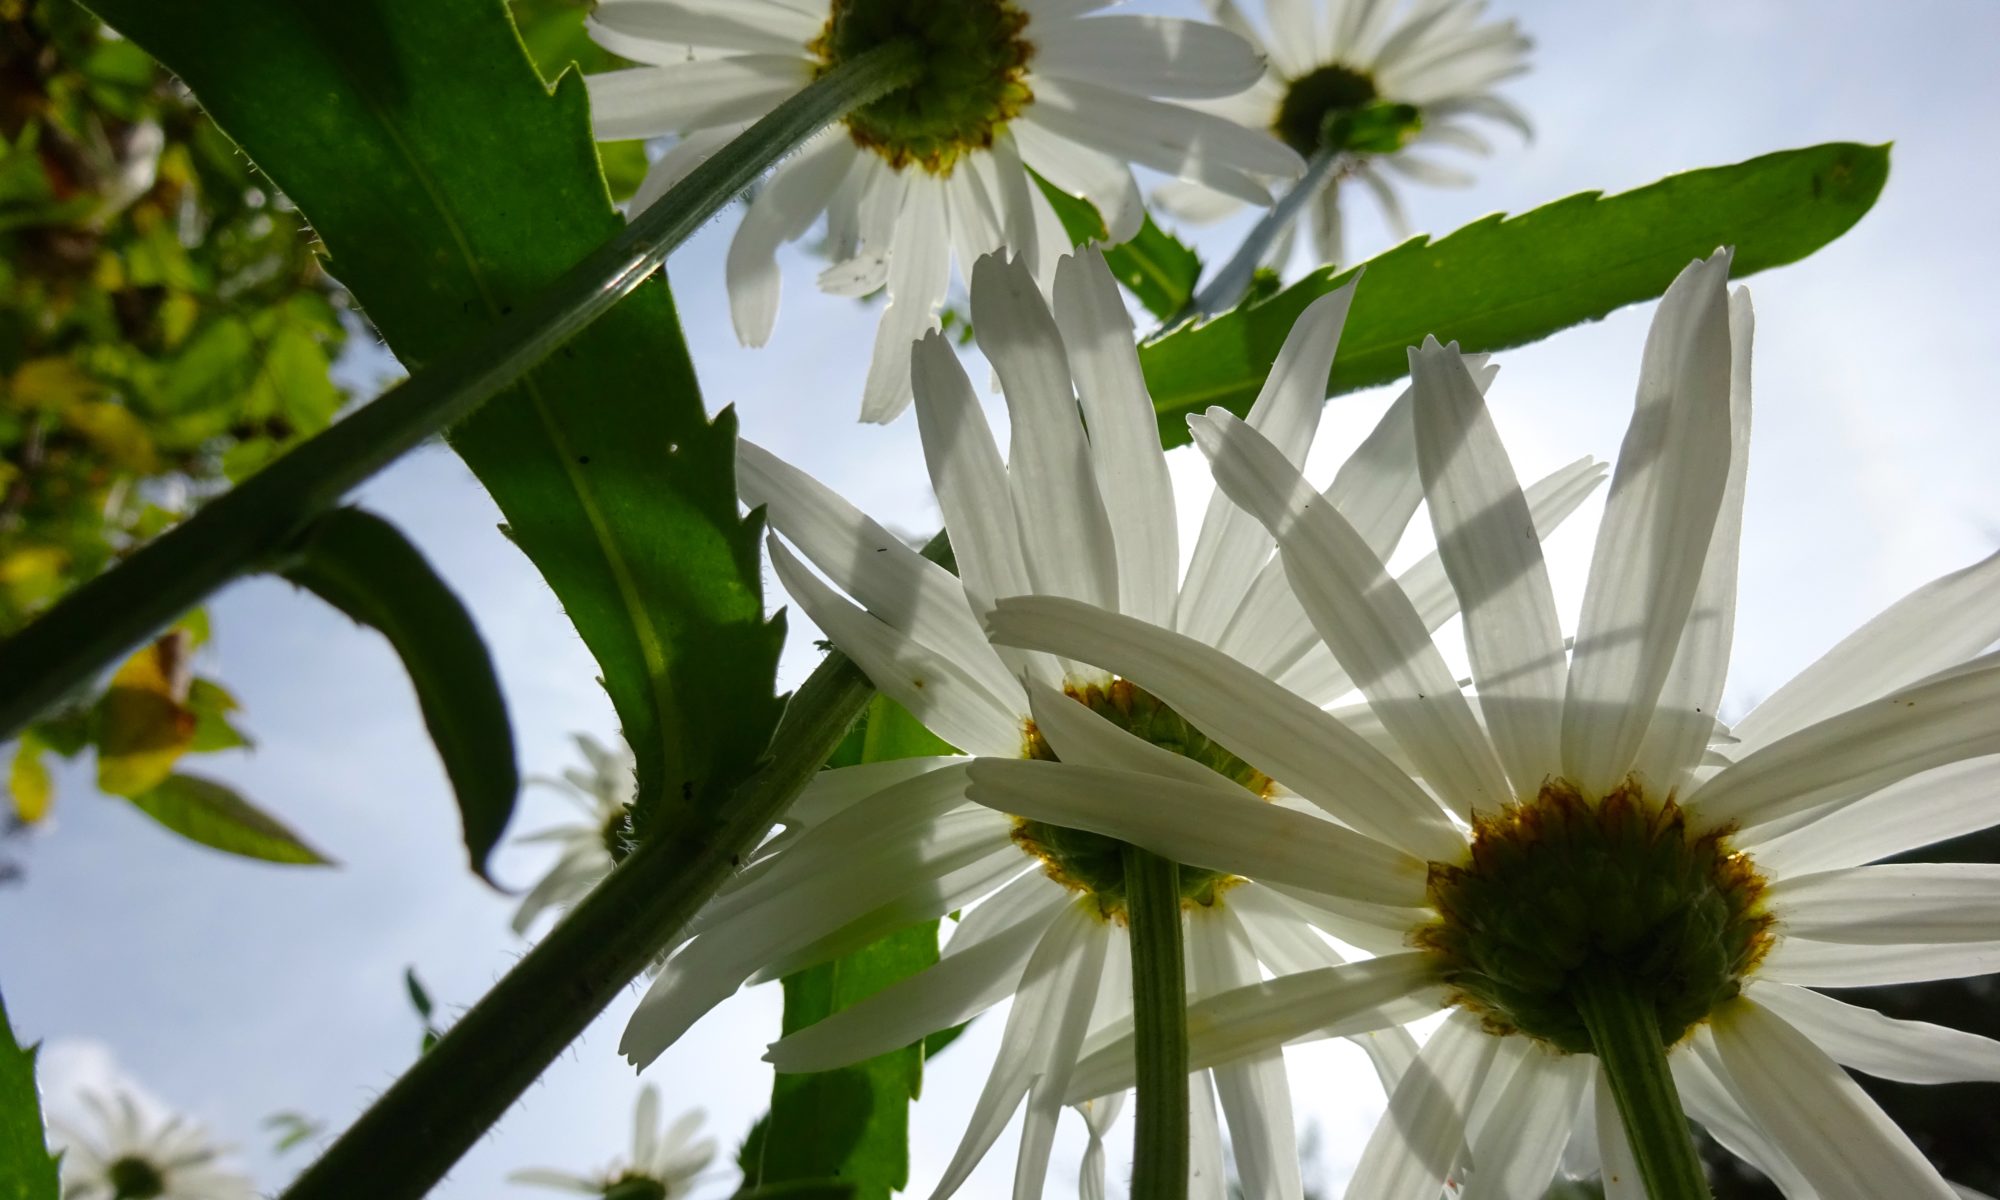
134	1155
592	846
1570	822
1405	77
1083	509
663	1166
940	168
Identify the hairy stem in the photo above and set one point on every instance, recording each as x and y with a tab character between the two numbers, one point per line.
248	526
1159	1016
1231	282
1627	1037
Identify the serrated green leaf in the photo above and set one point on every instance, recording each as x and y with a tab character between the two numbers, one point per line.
1154	266
202	810
1503	281
27	1169
447	183
366	568
849	1129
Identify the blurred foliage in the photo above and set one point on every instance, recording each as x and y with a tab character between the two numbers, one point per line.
165	329
420	999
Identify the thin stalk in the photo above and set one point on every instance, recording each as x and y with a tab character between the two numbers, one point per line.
1159	1018
1229	284
251	524
1627	1037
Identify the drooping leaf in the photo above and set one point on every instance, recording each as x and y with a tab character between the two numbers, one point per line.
143	722
27	1169
1154	266
366	568
849	1128
202	810
447	184
1502	281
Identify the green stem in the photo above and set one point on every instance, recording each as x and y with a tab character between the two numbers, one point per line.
1229	284
448	1099
1627	1037
247	527
1159	1017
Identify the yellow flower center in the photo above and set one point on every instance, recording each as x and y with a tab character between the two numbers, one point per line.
1559	886
1094	864
972	82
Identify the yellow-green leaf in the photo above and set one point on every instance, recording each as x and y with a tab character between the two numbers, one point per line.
202	810
143	722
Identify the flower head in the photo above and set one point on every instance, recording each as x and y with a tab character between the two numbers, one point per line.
946	166
1569	831
135	1155
589	847
1381	83
1081	509
664	1163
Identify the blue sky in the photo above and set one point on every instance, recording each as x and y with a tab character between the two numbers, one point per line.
235	990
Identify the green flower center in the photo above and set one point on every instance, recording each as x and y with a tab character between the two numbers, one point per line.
1339	107
971	84
635	1187
1560	886
134	1178
1095	864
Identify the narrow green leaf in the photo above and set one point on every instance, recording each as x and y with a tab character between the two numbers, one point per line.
419	998
850	1128
366	568
202	810
27	1169
1502	281
449	184
1154	266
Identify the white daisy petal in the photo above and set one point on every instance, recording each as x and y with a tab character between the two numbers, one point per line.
1050	978
1151	56
693	149
1254	1095
1081	171
1286	737
1179	141
1080	735
1517	1147
1486	538
1618	1167
937	691
895	583
967	474
1837	1137
1217	826
1065	534
1331	1002
956	989
1941	623
1846	758
1923	810
1685	716
1194	203
919	274
1231	545
642	102
1895	903
1656	531
1882	1046
1361	615
559	1180
1208	1177
1124	435
1698	1076
645	21
1810	963
645	1123
1058	1059
1422	1138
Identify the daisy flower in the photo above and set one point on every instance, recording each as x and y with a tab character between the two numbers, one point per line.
134	1155
1390	79
941	168
1571	870
1081	508
664	1162
602	794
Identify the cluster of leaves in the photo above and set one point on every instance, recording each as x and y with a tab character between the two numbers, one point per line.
165	329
